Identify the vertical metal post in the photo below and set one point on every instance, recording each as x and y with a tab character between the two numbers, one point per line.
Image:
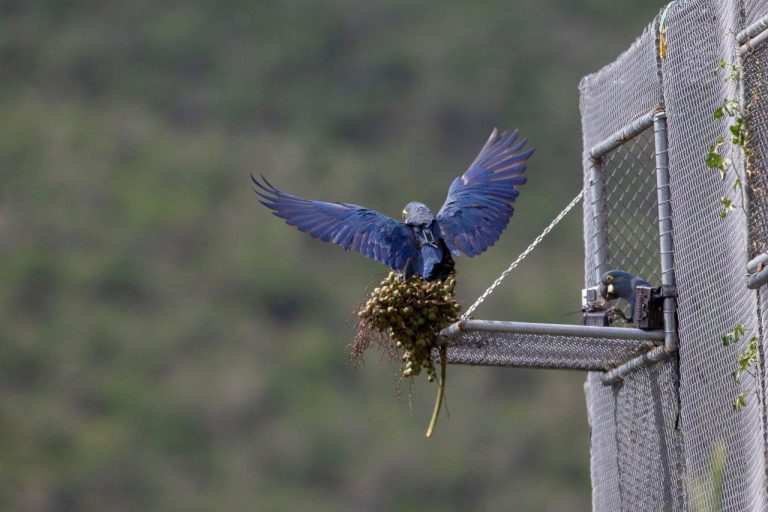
665	228
599	242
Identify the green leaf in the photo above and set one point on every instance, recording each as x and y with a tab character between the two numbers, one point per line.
734	335
718	113
714	160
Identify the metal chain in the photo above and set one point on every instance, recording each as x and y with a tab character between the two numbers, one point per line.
527	251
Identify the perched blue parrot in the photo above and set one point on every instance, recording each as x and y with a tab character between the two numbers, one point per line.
617	284
476	211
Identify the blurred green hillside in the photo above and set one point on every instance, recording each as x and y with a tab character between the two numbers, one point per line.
167	344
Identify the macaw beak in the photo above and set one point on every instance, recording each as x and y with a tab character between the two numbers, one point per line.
606	290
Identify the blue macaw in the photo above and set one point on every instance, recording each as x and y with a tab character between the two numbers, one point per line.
617	284
475	213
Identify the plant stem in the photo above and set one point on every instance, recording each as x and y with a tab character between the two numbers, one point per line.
440	390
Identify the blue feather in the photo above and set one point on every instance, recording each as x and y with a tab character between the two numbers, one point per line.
350	226
478	209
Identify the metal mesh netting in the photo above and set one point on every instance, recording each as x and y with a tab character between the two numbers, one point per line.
756	106
623	91
753	10
542	351
710	257
667	437
631	212
637	466
755	101
635	447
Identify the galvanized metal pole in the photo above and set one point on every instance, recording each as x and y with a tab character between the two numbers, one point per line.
751	31
649	358
753	36
665	229
577	331
597	204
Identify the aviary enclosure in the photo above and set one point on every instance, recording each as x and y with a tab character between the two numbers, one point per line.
675	190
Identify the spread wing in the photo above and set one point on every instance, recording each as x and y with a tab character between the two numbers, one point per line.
478	206
352	227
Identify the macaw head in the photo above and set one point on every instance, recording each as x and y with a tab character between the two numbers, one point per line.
619	284
417	214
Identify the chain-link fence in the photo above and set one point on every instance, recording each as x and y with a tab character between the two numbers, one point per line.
755	70
631	214
711	253
755	105
666	435
710	259
636	448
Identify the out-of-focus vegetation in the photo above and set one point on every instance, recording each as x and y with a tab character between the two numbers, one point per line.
166	344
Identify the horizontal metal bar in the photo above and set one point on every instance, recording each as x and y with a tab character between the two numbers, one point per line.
757	263
622	136
583	331
753	43
619	373
752	30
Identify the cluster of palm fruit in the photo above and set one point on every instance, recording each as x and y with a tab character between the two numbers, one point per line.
411	312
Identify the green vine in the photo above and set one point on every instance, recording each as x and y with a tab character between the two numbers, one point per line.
722	152
747	364
721	157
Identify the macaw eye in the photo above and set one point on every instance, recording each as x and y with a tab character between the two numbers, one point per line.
609	279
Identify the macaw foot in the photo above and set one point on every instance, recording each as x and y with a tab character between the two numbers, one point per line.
617	313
